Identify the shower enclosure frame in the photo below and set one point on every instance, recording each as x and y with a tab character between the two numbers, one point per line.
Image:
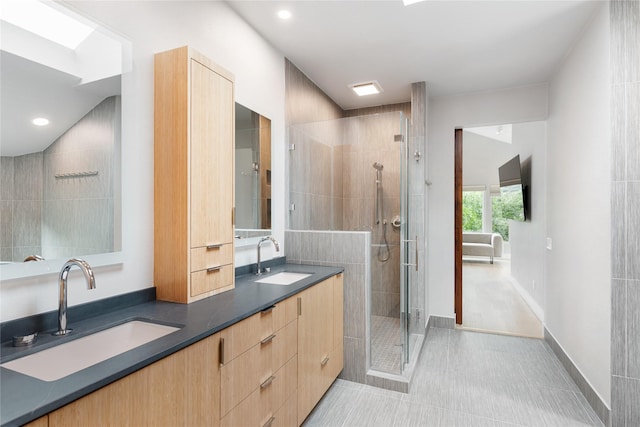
347	148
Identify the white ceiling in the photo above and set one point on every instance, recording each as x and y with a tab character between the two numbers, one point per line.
455	46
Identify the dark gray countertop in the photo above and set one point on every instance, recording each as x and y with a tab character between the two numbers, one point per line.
23	398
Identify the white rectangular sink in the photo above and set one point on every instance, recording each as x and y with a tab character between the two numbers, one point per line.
73	356
284	278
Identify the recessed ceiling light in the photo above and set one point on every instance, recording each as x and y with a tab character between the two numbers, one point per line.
368	88
45	21
284	14
40	121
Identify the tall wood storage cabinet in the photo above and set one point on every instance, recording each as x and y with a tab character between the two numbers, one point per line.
194	186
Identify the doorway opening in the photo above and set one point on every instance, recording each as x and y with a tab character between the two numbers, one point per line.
487	296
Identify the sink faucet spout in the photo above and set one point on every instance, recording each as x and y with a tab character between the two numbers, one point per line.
265	239
62	290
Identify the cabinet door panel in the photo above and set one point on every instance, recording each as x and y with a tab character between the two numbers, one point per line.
310	323
211	158
320	348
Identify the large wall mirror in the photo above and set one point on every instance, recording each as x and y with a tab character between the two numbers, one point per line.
60	139
253	175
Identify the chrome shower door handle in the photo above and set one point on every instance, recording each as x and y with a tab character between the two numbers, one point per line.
415	264
416	253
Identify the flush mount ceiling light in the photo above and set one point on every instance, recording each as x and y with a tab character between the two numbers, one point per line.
47	22
284	14
410	2
40	121
368	88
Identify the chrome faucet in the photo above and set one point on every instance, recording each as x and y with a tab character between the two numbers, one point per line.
62	297
264	239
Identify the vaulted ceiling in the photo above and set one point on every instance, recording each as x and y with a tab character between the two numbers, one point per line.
455	46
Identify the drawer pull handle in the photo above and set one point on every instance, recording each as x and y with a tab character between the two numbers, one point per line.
268	339
222	351
215	246
212	269
324	361
267	310
268	382
299	306
268	423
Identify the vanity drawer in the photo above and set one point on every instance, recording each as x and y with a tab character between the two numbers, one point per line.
203	257
211	280
254	369
245	334
266	402
287	415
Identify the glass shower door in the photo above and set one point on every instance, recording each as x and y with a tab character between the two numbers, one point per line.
407	243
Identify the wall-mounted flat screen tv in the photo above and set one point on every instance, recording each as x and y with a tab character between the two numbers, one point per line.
512	190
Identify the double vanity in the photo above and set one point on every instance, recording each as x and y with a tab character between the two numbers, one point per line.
204	346
263	353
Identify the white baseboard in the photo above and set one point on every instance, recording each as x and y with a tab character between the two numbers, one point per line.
533	305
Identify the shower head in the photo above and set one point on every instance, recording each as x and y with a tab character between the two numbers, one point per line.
378	166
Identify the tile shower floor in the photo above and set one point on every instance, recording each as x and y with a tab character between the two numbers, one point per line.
466	379
386	344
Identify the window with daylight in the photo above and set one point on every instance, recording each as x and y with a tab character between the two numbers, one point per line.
472	203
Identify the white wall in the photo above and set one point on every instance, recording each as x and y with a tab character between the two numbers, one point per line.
527	239
577	308
215	30
516	105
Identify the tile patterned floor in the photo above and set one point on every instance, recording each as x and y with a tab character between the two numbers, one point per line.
466	379
386	344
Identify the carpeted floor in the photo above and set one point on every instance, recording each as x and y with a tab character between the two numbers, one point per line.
491	303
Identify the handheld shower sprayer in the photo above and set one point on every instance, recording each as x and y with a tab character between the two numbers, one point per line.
383	249
378	167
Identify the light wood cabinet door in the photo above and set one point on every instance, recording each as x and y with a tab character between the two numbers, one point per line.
318	360
211	158
181	389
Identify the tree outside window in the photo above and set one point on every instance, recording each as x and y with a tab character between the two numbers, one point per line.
472	202
504	208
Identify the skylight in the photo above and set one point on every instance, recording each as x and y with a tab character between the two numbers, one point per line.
45	21
502	133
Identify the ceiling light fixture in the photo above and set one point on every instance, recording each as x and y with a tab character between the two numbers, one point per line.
410	2
40	121
368	88
45	21
284	14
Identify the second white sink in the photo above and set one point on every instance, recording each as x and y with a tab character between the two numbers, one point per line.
284	278
65	359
